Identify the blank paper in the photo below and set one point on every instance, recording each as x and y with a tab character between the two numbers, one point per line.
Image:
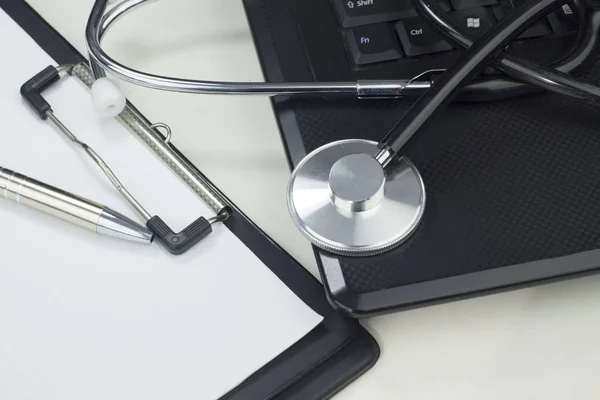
84	316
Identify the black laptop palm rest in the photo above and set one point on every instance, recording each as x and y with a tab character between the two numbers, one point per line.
512	186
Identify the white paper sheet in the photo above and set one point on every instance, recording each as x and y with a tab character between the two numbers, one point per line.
89	317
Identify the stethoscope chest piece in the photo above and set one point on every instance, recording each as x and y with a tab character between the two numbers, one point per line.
343	201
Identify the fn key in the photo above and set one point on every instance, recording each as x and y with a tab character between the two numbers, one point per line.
373	43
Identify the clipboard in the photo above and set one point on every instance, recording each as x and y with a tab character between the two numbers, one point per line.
319	365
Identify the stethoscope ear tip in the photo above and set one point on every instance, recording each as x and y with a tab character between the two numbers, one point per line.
109	101
344	202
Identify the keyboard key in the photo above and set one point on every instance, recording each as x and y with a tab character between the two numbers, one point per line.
476	20
363	12
373	43
418	38
540	28
462	4
563	20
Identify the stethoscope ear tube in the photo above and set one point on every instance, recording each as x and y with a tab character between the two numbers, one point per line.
102	19
526	76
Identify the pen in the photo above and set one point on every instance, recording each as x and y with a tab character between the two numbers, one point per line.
71	208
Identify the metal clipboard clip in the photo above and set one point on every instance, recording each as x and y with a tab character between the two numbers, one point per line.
175	243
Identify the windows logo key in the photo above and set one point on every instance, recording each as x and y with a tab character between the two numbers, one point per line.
474	23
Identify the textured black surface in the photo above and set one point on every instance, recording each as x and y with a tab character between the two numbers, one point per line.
507	182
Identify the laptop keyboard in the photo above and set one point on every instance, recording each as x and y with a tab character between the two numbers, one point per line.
380	31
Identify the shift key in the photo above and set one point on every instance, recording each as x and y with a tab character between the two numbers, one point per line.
363	12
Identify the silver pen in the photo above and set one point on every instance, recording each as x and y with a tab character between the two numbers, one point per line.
71	208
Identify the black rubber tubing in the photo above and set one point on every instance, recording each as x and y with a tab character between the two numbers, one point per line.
472	61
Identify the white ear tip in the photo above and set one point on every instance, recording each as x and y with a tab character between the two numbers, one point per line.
108	99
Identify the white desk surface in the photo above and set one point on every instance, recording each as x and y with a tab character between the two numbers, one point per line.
539	343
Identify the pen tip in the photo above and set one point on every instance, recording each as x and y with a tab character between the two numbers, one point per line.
112	223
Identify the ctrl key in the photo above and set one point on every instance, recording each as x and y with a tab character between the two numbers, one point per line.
418	38
373	43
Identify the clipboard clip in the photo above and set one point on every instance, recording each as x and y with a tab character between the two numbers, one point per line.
174	243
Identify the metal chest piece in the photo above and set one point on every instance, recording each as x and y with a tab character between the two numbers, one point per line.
344	202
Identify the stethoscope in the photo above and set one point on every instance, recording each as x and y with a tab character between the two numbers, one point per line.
358	197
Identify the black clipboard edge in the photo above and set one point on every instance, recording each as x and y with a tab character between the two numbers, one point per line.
41	32
362	347
336	337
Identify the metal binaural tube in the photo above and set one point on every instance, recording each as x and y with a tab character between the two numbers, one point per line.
103	18
100	22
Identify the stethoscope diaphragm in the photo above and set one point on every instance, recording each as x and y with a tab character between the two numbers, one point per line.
344	202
